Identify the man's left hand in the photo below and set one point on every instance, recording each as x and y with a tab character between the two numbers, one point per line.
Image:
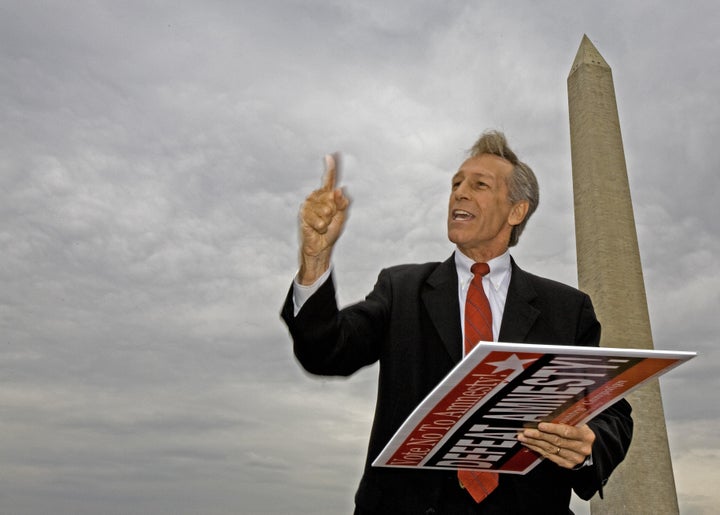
567	446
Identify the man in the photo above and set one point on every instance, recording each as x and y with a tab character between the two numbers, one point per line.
412	323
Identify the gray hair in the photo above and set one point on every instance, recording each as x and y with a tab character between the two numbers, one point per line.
522	183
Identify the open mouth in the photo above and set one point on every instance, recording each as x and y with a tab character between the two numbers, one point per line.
461	215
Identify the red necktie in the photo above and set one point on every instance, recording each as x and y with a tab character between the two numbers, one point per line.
478	327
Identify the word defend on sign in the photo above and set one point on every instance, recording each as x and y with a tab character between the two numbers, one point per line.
472	418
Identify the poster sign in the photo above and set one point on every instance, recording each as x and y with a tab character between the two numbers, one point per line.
472	418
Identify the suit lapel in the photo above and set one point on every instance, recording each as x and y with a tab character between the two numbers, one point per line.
440	297
519	314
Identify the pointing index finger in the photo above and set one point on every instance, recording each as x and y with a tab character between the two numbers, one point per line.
331	171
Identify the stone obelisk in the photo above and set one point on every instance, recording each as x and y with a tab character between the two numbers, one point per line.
609	269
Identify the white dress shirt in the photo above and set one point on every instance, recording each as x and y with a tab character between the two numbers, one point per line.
495	284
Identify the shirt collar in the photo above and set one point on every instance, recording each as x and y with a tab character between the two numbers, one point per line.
499	268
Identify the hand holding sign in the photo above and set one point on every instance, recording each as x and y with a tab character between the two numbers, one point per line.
564	445
322	219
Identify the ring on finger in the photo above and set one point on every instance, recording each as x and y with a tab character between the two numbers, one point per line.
557	453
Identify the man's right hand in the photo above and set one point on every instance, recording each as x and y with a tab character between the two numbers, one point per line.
322	218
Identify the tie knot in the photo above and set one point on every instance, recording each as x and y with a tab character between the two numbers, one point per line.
480	269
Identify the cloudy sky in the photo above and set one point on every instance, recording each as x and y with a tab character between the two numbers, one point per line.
153	158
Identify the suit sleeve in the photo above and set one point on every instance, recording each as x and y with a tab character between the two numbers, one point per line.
613	427
334	342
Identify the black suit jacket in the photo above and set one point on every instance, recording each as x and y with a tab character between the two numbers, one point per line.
410	323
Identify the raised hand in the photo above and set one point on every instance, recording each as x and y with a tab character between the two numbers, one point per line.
322	219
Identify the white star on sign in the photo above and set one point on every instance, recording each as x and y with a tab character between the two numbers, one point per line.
512	363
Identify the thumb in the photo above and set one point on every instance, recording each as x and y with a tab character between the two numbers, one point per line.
342	201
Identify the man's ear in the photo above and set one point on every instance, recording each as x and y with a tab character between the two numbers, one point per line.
518	212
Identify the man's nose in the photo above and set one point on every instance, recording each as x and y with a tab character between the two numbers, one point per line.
461	192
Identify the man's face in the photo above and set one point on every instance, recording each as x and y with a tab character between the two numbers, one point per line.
480	216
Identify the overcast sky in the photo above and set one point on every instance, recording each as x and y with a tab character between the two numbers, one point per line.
153	158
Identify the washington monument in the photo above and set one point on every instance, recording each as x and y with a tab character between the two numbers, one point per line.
609	269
